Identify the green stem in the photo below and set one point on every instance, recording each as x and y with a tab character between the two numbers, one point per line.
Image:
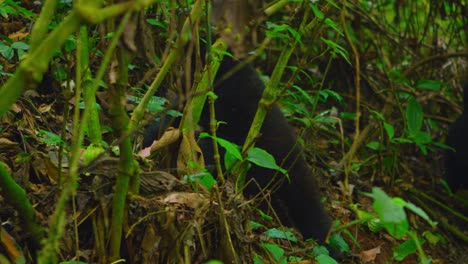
16	196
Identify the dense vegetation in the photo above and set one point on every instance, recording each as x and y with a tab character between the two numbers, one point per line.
371	87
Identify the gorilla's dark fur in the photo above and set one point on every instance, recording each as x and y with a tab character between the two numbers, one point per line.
456	162
237	101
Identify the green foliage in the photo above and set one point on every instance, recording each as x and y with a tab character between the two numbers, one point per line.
276	251
51	139
255	155
156	104
325	259
322	255
414	119
264	159
405	249
256	225
392	216
264	215
214	262
9	51
205	179
10	7
282	234
281	32
336	241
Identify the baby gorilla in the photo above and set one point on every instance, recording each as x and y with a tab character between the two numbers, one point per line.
237	102
456	162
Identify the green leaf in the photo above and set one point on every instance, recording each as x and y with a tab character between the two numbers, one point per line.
277	30
256	225
430	85
414	115
264	159
316	11
264	215
320	250
413	208
156	22
324	94
421	137
277	233
155	103
332	24
50	138
6	51
334	4
432	238
204	178
257	260
379	115
337	241
214	262
230	147
325	259
375	145
3	12
336	48
70	44
294	259
20	46
389	129
348	115
276	251
405	249
328	120
391	213
401	140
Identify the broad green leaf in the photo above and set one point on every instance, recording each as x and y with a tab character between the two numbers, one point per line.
337	241
325	259
230	147
20	46
6	51
389	129
320	250
430	85
204	178
277	233
264	159
156	22
348	115
414	115
276	251
413	208
405	249
375	145
391	213
257	260
50	138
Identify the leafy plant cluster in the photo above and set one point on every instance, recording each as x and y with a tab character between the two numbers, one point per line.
372	113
